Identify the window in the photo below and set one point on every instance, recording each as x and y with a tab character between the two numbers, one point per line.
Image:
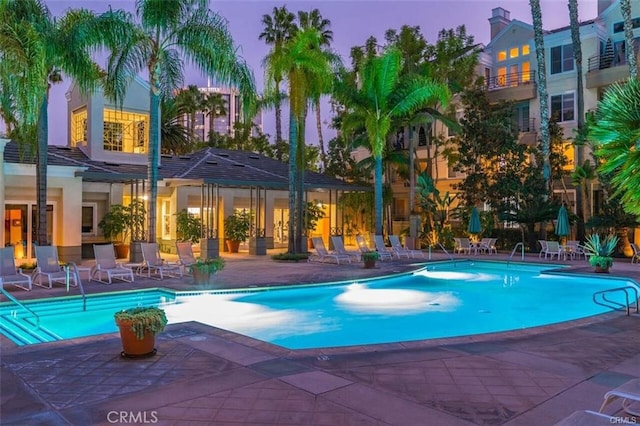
501	80
112	136
526	72
514	52
562	107
561	59
618	27
89	218
525	49
502	55
125	131
78	127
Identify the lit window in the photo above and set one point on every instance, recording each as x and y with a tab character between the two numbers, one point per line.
502	55
514	52
78	127
526	72
525	49
125	131
501	79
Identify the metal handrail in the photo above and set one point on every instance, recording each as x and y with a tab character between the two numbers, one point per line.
616	305
521	244
445	251
17	302
78	281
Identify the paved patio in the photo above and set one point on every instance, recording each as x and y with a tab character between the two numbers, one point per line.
207	376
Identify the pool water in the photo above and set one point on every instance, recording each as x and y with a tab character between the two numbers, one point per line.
443	300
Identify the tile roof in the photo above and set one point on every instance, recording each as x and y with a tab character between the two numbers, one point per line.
209	165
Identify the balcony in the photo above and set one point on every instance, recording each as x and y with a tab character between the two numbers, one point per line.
604	71
512	87
527	132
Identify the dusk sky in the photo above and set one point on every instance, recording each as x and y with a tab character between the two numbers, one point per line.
352	23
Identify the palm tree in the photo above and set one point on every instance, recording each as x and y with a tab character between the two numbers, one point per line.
545	137
378	100
215	106
616	133
165	35
36	49
577	55
625	8
277	31
191	101
315	20
176	138
306	66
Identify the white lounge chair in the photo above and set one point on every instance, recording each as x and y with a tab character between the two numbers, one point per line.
635	258
543	248
106	268
399	249
48	266
463	245
9	274
553	249
384	251
155	265
322	254
186	257
488	245
630	394
338	247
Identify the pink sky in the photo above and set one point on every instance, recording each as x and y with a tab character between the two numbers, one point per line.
352	23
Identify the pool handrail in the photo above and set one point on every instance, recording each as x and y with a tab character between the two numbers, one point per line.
445	251
72	265
616	305
521	244
21	305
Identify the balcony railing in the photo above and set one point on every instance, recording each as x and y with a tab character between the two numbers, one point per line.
526	125
510	80
599	62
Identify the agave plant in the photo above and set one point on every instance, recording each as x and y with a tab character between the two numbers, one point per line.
601	250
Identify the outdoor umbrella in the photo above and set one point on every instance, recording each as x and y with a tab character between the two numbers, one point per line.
563	228
474	222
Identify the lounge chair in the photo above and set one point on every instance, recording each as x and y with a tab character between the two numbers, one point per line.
587	417
185	256
322	254
463	245
338	247
399	248
9	274
630	394
553	249
576	249
382	249
48	266
543	248
364	248
635	258
488	245
106	268
156	265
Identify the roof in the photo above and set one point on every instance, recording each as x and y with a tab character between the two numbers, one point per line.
209	166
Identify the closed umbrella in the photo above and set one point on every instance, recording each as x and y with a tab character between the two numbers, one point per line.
563	228
474	222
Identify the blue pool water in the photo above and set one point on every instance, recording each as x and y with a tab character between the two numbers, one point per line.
443	300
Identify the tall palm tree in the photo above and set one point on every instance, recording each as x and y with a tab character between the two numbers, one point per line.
545	137
625	8
616	133
378	100
306	66
278	29
315	20
175	136
215	106
577	55
36	49
161	37
191	101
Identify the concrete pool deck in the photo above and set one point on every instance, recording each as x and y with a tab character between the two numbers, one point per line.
207	376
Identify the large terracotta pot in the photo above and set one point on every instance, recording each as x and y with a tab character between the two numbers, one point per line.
233	246
131	345
602	270
369	264
200	276
122	251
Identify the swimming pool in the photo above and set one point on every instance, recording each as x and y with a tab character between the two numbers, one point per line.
445	299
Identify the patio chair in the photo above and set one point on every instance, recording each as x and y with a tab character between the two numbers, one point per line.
48	266
576	249
106	268
9	274
156	265
463	245
488	245
186	257
635	258
553	249
543	248
630	394
338	247
399	248
322	254
364	248
383	250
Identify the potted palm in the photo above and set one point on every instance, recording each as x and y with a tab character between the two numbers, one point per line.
312	213
369	258
138	327
203	269
119	222
601	250
188	227
236	229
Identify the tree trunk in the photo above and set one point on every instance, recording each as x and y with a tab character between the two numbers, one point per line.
625	8
323	154
293	138
154	156
378	194
278	114
300	193
41	172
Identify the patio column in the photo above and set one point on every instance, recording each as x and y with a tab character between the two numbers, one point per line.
3	179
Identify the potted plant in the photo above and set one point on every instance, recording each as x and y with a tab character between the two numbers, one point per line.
119	222
236	229
203	269
369	258
138	327
312	213
188	228
601	250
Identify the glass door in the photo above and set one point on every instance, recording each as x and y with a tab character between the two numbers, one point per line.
15	229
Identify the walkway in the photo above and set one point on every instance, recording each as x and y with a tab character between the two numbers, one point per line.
207	376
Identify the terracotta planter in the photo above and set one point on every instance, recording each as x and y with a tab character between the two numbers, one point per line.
200	276
233	246
602	270
132	346
122	251
369	264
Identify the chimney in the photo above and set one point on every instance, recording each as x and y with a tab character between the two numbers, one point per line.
603	4
500	18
